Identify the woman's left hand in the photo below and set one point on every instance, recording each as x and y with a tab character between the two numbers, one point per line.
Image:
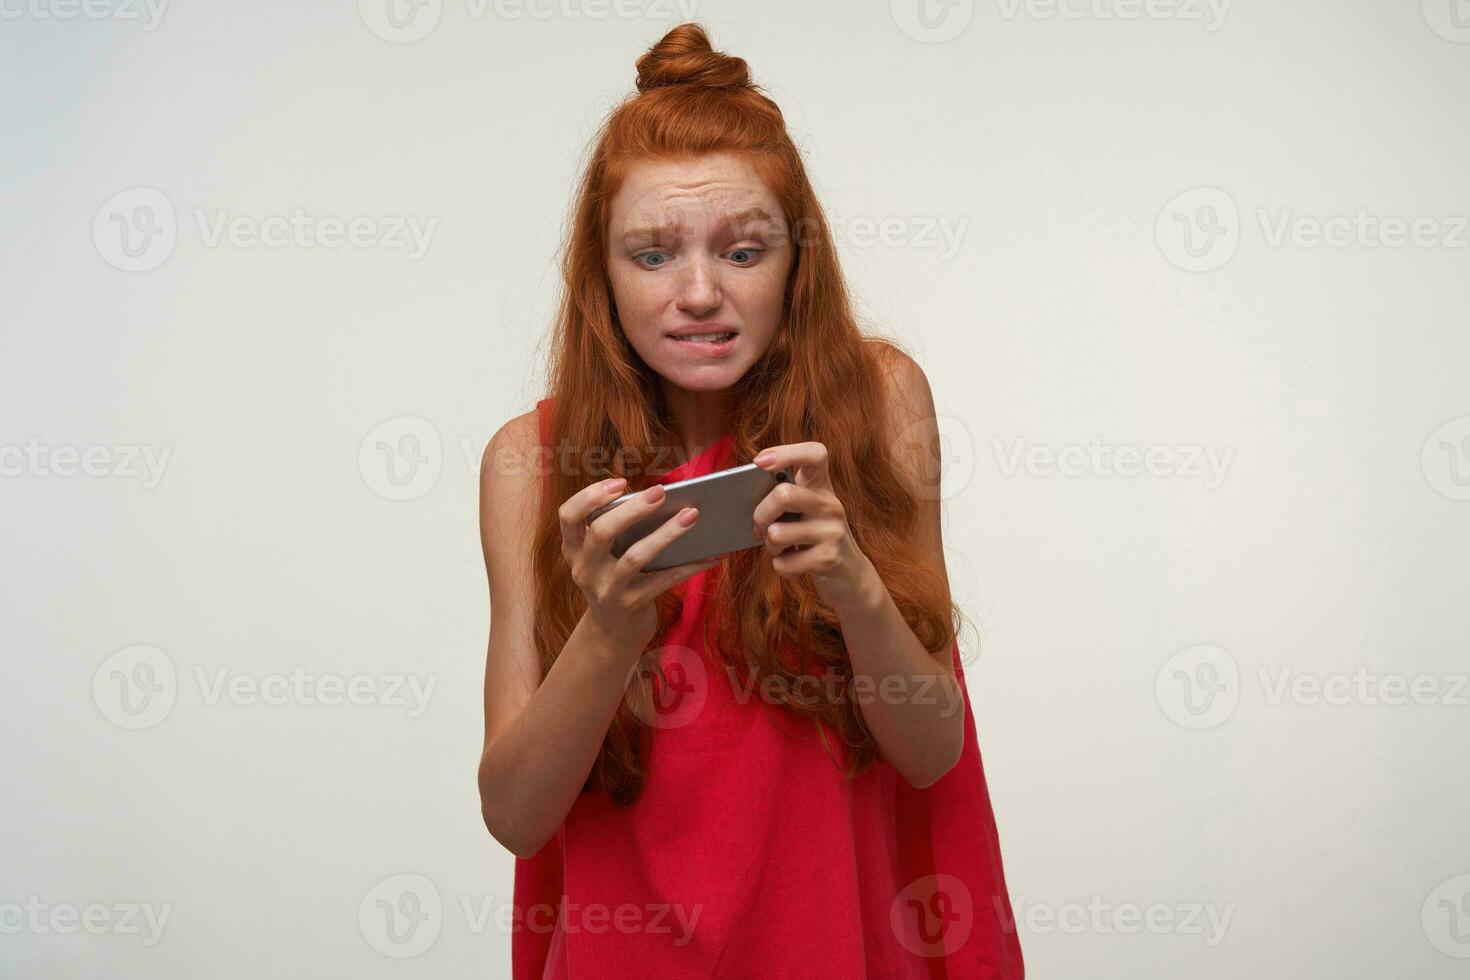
819	543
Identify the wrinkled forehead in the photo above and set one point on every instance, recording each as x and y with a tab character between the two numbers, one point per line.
720	193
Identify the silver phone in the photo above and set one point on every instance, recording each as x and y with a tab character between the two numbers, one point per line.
726	500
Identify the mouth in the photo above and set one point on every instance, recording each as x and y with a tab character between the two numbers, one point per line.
712	343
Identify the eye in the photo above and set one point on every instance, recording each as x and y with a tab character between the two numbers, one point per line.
660	257
746	256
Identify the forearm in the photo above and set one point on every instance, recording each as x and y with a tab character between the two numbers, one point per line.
531	774
910	701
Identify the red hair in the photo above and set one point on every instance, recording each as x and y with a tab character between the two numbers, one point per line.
821	379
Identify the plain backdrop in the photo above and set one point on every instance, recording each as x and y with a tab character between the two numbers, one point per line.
1189	285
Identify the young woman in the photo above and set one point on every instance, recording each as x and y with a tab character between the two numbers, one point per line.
762	765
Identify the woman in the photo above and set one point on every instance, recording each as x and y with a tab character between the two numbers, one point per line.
762	765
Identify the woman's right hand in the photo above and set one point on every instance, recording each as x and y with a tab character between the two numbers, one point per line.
620	595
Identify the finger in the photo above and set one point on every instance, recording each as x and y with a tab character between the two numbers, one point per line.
652	584
614	522
808	459
572	514
798	561
784	535
788	498
646	548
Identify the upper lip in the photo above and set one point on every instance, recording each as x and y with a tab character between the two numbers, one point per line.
697	328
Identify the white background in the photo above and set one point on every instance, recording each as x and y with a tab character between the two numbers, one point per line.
1331	547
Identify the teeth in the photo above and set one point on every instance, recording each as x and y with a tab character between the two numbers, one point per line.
705	337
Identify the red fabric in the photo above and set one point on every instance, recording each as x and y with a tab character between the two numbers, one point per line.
747	857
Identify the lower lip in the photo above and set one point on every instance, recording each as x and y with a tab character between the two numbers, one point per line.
707	348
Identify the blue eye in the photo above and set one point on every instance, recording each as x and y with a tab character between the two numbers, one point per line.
752	252
650	255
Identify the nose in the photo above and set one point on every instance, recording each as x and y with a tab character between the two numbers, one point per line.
699	289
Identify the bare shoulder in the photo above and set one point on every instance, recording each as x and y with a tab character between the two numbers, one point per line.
521	433
911	426
509	488
508	463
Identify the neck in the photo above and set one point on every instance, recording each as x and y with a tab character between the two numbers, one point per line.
699	418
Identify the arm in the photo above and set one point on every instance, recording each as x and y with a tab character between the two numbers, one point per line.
541	739
908	697
919	725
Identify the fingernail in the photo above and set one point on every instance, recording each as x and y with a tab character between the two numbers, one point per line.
764	457
615	484
653	492
687	516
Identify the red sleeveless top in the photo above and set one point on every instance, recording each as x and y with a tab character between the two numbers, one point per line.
747	856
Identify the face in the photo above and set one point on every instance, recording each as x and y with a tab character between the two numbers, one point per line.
698	246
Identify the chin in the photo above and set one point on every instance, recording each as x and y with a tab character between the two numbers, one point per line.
714	377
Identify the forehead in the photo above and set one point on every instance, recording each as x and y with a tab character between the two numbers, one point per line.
695	192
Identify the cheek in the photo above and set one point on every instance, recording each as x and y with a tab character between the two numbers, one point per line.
763	300
637	297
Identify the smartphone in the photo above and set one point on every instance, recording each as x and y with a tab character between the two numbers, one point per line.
726	500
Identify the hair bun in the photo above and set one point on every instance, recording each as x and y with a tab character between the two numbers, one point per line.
685	57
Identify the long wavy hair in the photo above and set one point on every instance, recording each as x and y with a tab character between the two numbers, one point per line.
821	379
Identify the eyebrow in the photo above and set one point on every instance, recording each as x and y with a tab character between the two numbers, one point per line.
752	214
